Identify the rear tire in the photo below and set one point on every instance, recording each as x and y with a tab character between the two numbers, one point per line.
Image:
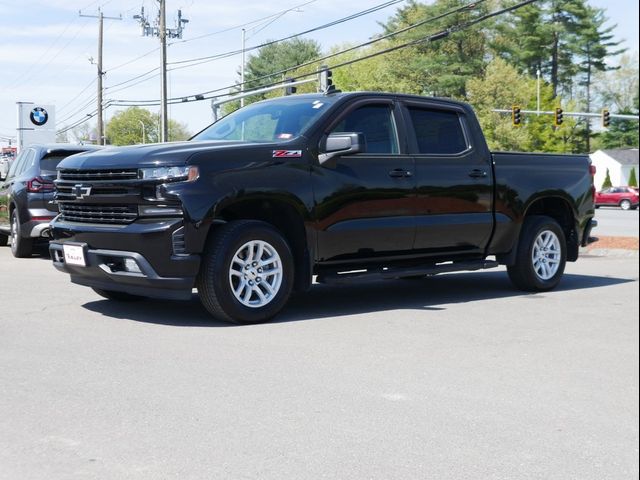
541	257
21	247
4	240
625	204
117	296
246	274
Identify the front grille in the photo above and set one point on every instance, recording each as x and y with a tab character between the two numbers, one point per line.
67	192
111	214
98	175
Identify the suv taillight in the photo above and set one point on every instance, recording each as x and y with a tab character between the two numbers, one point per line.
40	185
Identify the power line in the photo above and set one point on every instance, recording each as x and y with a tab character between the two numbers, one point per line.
26	74
60	109
433	37
289	37
257	21
236	52
469	6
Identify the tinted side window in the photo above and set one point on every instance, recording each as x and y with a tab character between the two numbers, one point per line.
28	162
437	132
376	122
16	164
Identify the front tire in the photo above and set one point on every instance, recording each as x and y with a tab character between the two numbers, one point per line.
246	274
541	257
20	247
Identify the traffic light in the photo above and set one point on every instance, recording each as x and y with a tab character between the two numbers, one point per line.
516	117
606	118
557	117
326	82
290	89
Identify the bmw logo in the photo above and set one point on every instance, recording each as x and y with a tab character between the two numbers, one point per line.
39	116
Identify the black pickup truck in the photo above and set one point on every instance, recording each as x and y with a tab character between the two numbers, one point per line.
346	187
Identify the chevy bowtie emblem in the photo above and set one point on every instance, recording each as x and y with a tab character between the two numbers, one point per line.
80	191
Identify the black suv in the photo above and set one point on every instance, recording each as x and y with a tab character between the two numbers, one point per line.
28	193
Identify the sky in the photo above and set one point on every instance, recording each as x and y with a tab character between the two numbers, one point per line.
47	48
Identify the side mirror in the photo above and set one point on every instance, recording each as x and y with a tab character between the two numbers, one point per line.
345	143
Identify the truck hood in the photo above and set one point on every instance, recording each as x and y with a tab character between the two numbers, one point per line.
155	154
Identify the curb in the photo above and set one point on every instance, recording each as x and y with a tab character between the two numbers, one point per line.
608	252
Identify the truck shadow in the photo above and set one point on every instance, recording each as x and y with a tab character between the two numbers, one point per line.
322	301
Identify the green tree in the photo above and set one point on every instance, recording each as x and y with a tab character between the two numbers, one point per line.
607	181
127	127
621	133
443	66
544	36
595	44
633	180
262	69
618	89
501	87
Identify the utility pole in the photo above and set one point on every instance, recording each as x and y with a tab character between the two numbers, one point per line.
161	31
164	121
100	17
242	67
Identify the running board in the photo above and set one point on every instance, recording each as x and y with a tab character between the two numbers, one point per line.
337	278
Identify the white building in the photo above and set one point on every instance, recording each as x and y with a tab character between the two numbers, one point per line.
619	163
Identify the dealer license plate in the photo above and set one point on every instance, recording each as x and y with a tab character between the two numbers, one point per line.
74	255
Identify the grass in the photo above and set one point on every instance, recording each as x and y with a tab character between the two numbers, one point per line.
4	211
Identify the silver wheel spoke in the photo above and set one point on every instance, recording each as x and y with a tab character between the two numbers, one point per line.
260	294
247	294
255	274
546	255
274	271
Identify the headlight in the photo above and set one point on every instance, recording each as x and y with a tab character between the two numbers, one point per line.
170	174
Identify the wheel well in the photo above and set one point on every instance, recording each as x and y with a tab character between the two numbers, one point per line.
561	212
286	219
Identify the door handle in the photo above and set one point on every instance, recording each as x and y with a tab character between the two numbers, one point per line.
477	173
400	173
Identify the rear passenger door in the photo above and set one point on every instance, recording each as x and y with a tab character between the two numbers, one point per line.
454	181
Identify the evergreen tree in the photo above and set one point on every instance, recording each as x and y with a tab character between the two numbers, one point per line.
544	36
261	68
633	180
621	133
595	43
607	181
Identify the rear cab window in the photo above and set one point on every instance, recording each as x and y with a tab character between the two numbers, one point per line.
438	132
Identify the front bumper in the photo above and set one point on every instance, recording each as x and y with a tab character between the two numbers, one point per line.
105	269
109	251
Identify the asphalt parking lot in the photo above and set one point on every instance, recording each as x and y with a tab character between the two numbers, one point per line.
456	376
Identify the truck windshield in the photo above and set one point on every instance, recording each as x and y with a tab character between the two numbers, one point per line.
269	121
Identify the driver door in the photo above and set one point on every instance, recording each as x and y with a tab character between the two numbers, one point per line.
364	201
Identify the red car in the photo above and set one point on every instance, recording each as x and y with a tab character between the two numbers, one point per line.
624	197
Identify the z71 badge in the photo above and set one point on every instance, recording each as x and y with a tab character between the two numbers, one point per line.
287	153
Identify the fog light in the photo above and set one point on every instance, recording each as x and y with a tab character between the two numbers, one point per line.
159	210
130	265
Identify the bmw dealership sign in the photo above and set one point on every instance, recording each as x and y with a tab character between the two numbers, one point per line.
36	124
